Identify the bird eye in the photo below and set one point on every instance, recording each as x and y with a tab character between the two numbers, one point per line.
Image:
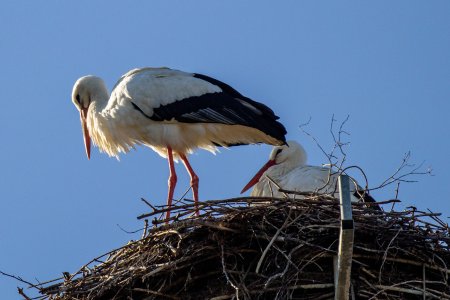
78	98
278	151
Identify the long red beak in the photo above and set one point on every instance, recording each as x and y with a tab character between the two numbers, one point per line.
258	175
84	128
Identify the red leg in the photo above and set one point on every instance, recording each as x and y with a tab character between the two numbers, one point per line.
172	182
194	181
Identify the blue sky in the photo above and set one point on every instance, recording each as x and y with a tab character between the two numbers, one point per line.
384	63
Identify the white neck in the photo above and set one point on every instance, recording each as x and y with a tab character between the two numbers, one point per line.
99	97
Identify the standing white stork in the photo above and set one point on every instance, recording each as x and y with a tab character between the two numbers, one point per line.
288	169
172	112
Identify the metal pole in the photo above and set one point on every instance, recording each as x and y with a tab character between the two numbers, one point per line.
343	262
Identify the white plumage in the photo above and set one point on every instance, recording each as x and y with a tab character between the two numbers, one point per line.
172	112
288	169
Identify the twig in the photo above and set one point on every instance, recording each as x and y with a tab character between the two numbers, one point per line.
386	253
18	278
263	255
20	291
155	293
144	234
224	269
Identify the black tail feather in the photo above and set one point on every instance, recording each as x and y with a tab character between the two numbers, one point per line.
366	198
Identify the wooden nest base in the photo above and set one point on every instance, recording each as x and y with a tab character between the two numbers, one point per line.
265	248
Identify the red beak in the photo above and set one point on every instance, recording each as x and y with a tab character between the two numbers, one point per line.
258	175
86	136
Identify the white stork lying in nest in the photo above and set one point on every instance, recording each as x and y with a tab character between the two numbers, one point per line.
172	112
287	169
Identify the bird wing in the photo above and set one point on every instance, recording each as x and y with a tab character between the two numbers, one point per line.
300	179
167	95
310	179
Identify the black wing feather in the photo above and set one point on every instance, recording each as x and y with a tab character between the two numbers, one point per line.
227	107
232	92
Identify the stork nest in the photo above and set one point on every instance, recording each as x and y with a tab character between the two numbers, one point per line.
253	248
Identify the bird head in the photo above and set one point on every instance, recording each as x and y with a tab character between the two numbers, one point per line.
289	156
86	90
292	154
